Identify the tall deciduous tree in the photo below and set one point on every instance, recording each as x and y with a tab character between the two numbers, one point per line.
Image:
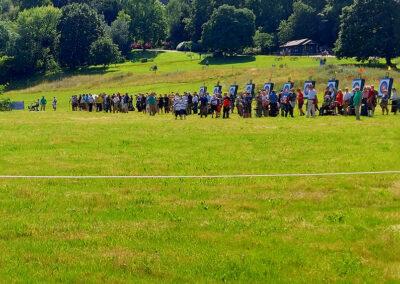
79	27
269	13
200	13
229	29
370	28
301	24
104	52
37	43
120	32
149	23
177	12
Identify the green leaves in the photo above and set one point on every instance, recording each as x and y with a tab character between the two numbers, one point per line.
229	29
80	26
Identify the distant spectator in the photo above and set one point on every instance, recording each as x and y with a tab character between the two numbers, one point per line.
43	103
395	101
357	101
54	104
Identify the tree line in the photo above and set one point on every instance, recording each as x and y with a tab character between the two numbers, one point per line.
45	36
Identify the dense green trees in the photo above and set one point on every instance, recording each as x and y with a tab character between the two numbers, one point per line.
149	21
103	52
365	33
79	27
229	29
120	32
42	35
36	46
302	23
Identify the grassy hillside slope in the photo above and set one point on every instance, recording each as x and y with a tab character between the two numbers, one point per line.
178	72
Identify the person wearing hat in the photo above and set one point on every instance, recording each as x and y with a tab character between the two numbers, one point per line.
357	99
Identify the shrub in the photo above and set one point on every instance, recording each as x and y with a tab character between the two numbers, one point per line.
5	103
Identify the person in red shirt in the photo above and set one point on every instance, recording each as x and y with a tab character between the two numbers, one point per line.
226	106
339	102
372	101
300	101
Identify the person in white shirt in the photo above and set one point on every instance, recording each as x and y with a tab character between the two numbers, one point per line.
311	100
347	100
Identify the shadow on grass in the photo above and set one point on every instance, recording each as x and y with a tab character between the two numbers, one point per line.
211	60
376	65
38	79
146	55
28	82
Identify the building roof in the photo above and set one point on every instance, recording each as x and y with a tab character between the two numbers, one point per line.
298	42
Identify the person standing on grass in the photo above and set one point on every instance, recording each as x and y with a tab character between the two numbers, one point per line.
311	101
195	103
227	106
203	106
189	104
43	103
265	104
273	104
99	103
54	104
116	102
372	101
167	107
300	102
357	101
214	105
160	104
239	105
108	103
384	103
339	102
232	97
259	105
179	107
248	106
292	102
90	103
74	103
395	101
347	101
152	101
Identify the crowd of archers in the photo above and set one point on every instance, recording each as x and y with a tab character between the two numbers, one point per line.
264	104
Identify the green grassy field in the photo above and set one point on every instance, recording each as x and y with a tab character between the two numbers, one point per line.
303	229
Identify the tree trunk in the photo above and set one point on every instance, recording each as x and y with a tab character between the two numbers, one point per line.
389	61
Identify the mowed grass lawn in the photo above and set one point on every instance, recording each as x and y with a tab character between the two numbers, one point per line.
307	229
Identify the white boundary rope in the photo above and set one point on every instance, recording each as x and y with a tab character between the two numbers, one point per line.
206	176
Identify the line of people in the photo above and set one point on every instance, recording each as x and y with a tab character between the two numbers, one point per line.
266	104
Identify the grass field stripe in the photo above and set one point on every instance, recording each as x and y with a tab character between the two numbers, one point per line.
205	176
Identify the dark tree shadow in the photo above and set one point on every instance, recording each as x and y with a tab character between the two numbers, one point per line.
38	79
376	65
140	55
223	60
